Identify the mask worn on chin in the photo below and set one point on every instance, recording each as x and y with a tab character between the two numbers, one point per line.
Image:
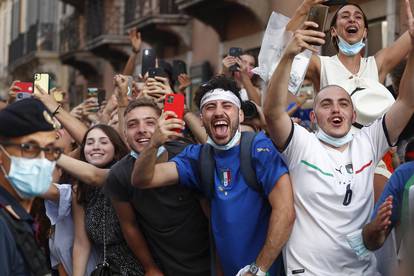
336	142
30	177
233	142
159	152
348	49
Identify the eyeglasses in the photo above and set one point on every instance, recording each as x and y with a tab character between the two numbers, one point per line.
31	150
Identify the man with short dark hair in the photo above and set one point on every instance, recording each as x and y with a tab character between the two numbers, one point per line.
27	160
249	227
171	218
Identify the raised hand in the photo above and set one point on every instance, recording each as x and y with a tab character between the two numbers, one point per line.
383	218
165	131
305	38
228	61
410	20
184	81
135	39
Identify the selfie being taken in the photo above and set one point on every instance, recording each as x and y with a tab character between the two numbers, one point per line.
206	138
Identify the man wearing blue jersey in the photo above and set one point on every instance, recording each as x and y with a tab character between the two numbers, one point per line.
249	228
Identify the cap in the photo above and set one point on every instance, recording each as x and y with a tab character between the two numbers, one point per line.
25	117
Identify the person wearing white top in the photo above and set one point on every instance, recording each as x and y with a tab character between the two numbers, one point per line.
332	169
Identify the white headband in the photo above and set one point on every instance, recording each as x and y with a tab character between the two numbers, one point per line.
220	94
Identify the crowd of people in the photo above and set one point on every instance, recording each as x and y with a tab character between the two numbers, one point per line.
257	181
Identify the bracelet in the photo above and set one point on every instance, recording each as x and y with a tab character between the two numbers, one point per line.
135	51
56	110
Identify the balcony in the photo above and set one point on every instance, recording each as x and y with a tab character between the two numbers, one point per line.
159	21
230	18
104	31
39	41
71	50
77	4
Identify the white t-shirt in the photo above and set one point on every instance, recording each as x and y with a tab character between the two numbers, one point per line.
320	177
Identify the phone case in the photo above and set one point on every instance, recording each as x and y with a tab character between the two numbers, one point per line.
42	80
148	60
175	103
26	87
318	14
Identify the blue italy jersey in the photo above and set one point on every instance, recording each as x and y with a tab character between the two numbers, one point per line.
398	182
239	214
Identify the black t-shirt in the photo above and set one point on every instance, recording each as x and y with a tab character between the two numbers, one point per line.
170	218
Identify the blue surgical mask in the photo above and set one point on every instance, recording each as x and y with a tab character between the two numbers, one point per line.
336	142
233	142
348	49
30	177
159	152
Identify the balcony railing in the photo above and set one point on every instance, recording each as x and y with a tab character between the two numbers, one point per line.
69	34
138	9
39	37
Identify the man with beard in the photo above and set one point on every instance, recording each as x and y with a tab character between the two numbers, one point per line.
249	228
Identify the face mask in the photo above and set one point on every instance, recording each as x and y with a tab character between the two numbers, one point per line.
159	152
233	142
30	177
336	142
348	49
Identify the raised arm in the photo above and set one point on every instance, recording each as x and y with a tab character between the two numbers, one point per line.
75	127
194	123
278	121
148	174
301	14
280	224
83	171
375	232
401	111
135	38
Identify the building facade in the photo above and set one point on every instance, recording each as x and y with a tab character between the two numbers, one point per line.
83	43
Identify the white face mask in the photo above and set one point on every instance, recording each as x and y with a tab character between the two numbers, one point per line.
30	177
233	142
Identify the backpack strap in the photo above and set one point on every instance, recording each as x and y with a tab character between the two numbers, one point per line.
25	241
206	169
207	165
246	165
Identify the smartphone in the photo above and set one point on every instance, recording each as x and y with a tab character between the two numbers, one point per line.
148	60
25	87
43	81
101	96
23	95
335	2
235	52
92	92
318	14
130	79
156	72
175	102
179	67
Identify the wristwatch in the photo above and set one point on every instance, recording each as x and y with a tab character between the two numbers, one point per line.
255	270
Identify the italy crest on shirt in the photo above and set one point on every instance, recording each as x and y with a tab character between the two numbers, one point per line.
225	178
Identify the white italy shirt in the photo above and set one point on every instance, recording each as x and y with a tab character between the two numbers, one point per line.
333	195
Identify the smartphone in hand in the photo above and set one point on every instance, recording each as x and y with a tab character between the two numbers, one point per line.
235	52
148	60
26	90
175	103
179	67
335	2
318	14
43	81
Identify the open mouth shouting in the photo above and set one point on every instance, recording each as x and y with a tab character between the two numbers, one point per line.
352	30
220	128
337	121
